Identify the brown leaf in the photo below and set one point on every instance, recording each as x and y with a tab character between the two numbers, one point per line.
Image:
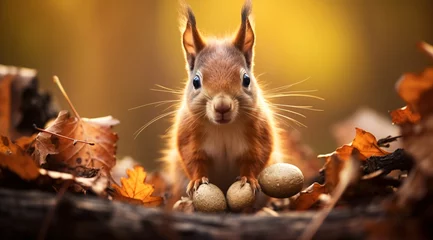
13	158
25	142
416	90
364	142
308	197
135	190
348	174
91	142
97	183
404	115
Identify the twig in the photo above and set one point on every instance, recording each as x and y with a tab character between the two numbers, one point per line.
384	142
65	137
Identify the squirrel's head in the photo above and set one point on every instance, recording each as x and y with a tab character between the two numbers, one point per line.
221	84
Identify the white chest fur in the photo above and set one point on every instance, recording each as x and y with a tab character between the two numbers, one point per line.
224	144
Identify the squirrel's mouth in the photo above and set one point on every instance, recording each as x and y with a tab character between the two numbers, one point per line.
222	121
222	118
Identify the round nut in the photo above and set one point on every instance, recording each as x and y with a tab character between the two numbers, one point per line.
239	198
209	198
281	180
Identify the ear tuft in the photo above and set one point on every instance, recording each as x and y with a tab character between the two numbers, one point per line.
192	41
244	40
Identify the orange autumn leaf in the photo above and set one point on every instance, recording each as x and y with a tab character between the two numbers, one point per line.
14	158
364	142
25	142
79	141
404	115
308	197
415	90
135	190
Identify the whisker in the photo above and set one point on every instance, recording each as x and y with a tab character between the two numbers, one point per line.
291	119
296	106
290	111
159	103
202	114
295	95
172	105
136	133
297	91
178	91
287	86
167	88
282	121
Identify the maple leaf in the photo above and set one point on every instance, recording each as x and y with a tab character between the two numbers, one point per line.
14	158
364	142
135	190
78	141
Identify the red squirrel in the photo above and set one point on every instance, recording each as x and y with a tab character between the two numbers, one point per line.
224	128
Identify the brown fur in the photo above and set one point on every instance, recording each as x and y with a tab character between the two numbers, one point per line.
199	147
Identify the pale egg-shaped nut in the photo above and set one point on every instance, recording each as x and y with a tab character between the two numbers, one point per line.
209	198
281	180
239	198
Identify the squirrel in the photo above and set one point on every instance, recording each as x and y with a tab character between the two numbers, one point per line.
224	130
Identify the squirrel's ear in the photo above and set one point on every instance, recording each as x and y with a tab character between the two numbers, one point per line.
192	41
244	39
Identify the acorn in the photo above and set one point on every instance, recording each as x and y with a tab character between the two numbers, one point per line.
240	198
281	180
209	198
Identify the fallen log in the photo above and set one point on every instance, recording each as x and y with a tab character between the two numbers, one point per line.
22	214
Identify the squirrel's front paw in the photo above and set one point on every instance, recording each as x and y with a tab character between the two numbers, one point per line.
252	181
194	184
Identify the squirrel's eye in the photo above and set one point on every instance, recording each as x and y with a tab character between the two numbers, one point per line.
246	80
196	82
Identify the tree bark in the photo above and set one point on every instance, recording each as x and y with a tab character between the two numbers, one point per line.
22	214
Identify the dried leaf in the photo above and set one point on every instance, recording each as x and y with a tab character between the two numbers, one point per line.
413	87
308	197
98	184
99	154
404	115
364	142
14	158
348	174
25	142
135	190
417	91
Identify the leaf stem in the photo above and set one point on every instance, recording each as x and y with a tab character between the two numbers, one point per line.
65	137
59	84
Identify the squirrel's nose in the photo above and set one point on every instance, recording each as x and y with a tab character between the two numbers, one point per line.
222	107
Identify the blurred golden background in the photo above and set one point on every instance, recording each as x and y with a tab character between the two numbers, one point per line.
109	54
